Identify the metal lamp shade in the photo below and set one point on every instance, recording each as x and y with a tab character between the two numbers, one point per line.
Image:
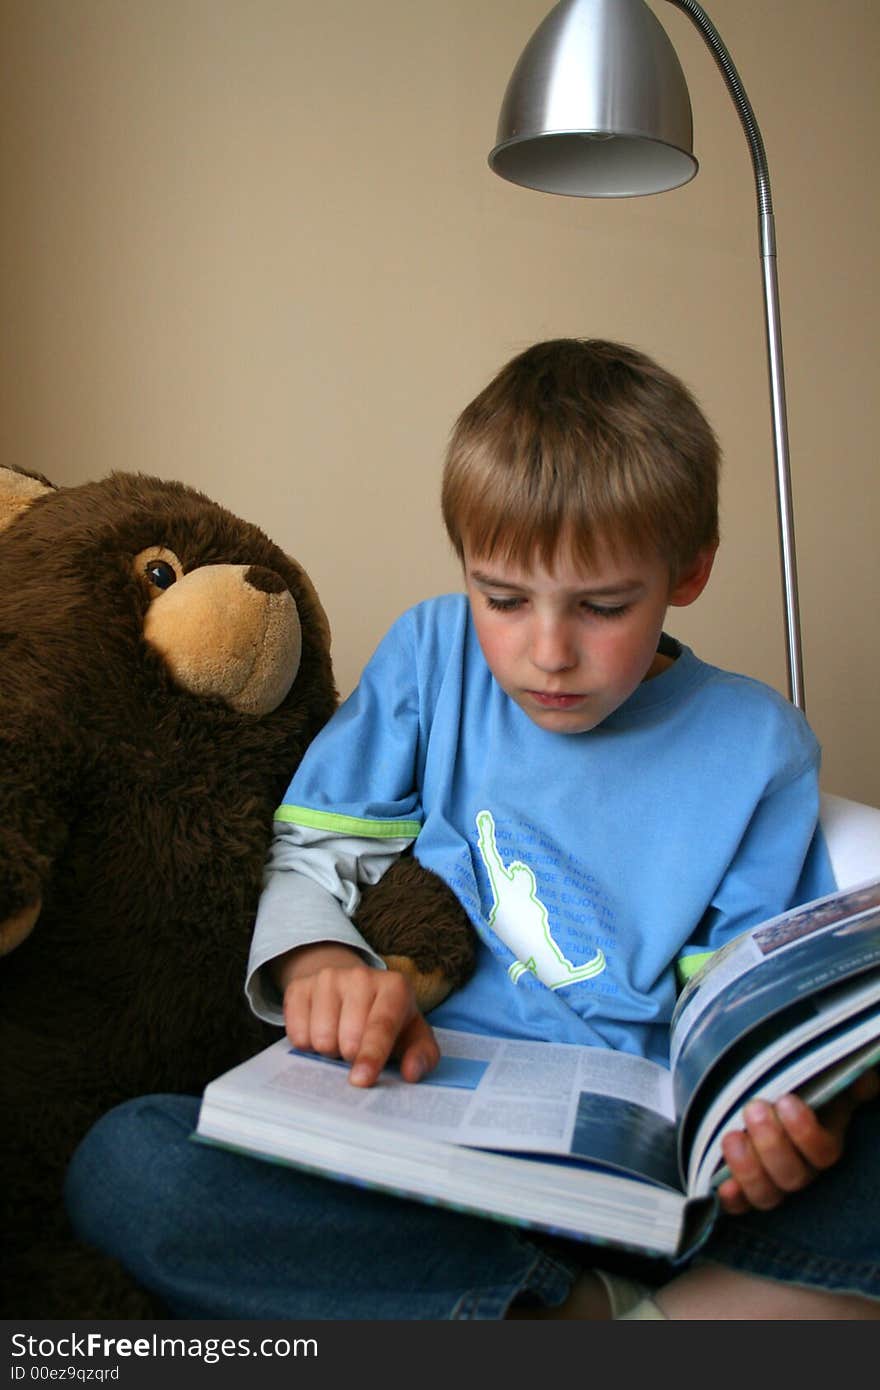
597	105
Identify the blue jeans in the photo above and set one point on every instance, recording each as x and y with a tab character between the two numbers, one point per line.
220	1235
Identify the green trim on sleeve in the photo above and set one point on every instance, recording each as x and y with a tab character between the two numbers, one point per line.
687	966
349	825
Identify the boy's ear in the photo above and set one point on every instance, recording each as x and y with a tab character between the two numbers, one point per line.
693	581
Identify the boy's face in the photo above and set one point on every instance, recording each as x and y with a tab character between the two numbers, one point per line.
570	644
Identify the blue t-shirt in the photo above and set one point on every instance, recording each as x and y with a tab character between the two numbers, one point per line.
589	863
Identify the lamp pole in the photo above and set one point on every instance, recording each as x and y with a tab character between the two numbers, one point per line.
773	325
597	106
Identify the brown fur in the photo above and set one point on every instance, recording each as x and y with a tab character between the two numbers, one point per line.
136	816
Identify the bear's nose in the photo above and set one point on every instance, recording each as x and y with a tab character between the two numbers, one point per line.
264	579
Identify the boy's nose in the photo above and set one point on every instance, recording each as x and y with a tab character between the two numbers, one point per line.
553	648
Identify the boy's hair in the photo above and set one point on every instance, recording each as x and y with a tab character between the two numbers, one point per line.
585	442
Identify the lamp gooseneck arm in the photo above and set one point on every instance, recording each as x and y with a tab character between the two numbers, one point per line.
767	233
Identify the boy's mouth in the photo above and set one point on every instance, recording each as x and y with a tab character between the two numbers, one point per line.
550	700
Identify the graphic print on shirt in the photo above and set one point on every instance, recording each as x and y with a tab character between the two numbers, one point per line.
520	919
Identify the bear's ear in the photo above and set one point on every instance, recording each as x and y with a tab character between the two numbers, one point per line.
17	491
319	617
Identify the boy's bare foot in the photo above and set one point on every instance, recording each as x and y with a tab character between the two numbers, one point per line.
714	1293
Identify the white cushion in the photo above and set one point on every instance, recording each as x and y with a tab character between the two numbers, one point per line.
852	831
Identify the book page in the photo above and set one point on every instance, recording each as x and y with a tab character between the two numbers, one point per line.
417	1140
817	1072
769	969
608	1108
837	1033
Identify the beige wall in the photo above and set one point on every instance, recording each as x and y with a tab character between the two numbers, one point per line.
254	244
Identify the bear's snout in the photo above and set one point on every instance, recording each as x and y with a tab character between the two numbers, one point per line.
231	633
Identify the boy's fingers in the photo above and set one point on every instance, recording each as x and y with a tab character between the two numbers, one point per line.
357	1002
418	1050
732	1198
820	1142
783	1147
364	1016
325	1004
372	1055
393	1008
786	1166
297	1015
748	1171
763	1160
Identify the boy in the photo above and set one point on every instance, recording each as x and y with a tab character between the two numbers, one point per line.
608	809
581	781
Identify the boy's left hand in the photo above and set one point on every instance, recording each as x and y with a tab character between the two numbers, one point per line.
784	1146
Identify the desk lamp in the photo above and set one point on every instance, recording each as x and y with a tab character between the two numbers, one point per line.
597	106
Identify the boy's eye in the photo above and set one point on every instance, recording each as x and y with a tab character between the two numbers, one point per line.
607	611
503	605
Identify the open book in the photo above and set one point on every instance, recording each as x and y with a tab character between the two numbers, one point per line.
583	1142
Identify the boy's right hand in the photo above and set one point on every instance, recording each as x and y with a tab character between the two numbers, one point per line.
336	1005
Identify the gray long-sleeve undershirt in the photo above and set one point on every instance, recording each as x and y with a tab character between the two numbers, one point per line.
311	889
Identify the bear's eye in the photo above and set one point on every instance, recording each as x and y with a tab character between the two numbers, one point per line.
160	573
158	568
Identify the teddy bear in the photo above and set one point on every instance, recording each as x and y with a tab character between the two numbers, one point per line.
163	667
